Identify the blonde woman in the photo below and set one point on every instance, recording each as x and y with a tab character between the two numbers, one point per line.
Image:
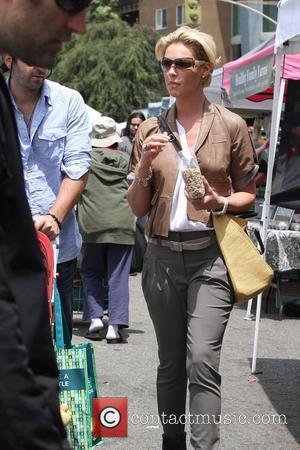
185	280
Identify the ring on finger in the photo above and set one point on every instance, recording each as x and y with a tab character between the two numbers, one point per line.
145	145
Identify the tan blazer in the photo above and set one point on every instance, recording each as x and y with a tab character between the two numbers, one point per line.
225	154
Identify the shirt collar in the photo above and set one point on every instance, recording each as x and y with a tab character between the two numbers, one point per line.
46	93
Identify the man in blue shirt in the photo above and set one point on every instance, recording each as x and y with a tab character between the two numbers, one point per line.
53	129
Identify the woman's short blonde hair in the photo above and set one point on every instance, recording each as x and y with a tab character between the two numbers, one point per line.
203	45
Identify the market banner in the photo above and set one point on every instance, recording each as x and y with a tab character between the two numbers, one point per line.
252	78
286	178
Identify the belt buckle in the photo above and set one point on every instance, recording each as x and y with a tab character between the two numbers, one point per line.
176	246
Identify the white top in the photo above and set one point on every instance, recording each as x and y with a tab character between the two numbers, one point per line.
178	219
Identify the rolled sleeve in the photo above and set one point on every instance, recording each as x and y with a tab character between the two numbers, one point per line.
77	153
240	184
243	159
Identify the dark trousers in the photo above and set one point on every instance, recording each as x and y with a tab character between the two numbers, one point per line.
189	299
27	421
112	261
65	280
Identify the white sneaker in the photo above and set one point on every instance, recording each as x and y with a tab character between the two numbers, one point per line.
96	325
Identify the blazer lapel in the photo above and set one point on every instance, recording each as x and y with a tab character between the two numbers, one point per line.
207	120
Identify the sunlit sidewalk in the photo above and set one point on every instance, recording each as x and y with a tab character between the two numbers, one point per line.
260	415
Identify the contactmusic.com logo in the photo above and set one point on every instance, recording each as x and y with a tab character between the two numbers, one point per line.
110	417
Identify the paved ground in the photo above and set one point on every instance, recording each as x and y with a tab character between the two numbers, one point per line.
129	370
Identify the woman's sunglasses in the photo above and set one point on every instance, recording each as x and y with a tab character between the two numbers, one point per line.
180	63
73	6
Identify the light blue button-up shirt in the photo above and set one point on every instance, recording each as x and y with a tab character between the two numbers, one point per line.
56	145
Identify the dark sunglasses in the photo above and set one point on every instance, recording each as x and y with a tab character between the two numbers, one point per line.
180	63
73	6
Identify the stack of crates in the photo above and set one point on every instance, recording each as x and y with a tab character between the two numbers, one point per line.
77	295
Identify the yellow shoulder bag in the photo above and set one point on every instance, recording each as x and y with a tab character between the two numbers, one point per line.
248	271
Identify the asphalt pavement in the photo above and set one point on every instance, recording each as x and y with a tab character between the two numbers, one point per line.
259	413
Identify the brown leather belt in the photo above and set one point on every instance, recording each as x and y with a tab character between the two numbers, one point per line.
175	246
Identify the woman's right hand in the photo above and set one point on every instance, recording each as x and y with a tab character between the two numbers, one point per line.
151	147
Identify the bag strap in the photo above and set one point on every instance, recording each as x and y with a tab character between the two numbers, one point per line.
60	324
165	126
260	242
58	320
239	216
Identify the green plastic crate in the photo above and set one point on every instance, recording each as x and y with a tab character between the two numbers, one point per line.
78	296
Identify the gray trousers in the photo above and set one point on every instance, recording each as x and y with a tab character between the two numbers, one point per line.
189	300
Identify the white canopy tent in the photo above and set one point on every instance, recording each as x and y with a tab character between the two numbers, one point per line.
287	41
214	94
214	91
94	115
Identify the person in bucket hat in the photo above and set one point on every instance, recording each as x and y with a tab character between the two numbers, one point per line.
105	133
107	226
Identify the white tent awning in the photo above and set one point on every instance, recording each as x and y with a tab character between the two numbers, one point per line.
213	92
288	25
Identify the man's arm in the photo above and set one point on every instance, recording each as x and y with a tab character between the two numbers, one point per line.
67	197
75	165
263	147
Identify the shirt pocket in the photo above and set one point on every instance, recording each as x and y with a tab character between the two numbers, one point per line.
215	156
218	138
51	143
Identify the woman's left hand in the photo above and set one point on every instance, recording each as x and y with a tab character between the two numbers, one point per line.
211	200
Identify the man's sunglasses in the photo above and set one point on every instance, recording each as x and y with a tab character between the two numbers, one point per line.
73	6
180	63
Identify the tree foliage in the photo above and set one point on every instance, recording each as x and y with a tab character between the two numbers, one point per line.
103	9
113	66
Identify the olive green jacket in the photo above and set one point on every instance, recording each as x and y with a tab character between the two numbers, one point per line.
103	212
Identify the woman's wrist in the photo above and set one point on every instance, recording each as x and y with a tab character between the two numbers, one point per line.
143	169
222	207
143	174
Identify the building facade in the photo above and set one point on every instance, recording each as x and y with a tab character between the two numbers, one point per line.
235	29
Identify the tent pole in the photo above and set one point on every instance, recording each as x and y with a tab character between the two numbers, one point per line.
279	86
